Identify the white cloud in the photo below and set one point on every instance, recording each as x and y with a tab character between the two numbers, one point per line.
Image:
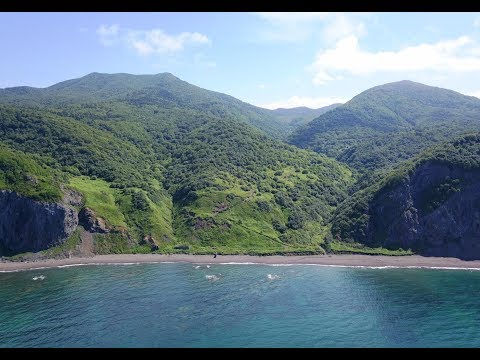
108	35
157	41
297	26
261	86
311	102
341	26
348	57
476	22
147	42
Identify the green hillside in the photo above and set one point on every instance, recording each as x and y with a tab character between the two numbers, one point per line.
157	157
28	175
388	124
163	90
298	116
170	167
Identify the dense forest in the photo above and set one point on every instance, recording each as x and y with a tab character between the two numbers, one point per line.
167	162
388	124
171	167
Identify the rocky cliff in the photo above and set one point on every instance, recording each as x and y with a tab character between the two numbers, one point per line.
434	211
28	225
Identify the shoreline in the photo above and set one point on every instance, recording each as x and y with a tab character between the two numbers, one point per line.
347	260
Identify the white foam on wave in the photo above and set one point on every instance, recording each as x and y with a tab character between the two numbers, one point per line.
116	263
255	263
30	269
208	266
273	277
87	264
361	266
40	277
241	263
212	277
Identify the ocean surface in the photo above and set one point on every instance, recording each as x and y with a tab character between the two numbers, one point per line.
232	305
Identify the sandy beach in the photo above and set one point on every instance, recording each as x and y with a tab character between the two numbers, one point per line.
331	260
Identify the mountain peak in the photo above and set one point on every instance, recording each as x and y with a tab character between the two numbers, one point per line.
386	118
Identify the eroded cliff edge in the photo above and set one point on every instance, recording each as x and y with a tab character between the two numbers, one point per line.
435	211
28	225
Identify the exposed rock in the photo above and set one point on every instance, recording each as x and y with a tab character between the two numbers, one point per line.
404	217
72	197
208	223
203	223
30	226
31	179
91	222
220	208
150	241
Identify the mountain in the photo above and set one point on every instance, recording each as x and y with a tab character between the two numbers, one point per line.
387	124
140	163
430	204
297	116
163	90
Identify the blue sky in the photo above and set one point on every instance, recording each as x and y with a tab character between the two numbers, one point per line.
267	59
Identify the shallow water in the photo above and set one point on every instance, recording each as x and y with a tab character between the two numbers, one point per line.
188	305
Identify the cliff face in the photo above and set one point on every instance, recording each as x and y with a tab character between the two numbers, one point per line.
28	225
435	211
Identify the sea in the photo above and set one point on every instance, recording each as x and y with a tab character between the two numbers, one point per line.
183	305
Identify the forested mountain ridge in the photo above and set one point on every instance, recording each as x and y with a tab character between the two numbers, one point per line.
157	167
390	123
164	90
297	116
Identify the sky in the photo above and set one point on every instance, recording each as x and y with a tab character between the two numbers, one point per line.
271	59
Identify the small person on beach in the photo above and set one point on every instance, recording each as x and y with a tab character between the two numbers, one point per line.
215	255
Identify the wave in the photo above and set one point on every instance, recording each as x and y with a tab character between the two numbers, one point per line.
273	277
242	263
86	264
41	277
383	267
212	277
359	266
253	263
202	267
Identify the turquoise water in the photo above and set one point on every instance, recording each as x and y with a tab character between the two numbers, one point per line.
183	305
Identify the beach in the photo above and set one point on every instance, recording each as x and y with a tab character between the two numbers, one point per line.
412	261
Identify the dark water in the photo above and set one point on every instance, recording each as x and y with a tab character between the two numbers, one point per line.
179	305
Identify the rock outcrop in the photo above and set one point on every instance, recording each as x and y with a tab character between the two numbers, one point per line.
435	211
91	222
27	225
72	197
150	241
